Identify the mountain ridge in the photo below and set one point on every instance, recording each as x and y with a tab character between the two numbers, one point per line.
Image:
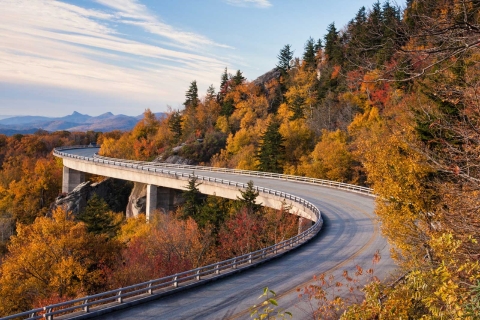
72	122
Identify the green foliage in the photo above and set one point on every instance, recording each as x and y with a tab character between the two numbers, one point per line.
271	153
333	48
309	54
175	124
193	199
99	219
284	58
191	96
238	79
248	198
268	309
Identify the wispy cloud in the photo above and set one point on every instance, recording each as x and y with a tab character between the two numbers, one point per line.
246	3
55	44
134	13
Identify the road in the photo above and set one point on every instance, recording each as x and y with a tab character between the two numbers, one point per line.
350	237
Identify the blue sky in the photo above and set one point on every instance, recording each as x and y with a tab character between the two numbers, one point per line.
124	56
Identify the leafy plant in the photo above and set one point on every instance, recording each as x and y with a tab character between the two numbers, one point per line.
268	309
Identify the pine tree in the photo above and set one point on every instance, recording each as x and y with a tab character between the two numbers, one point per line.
248	198
193	199
238	78
318	45
223	86
98	218
175	124
210	93
284	58
191	96
309	54
333	49
271	153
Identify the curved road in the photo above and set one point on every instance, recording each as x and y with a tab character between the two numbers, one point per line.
350	237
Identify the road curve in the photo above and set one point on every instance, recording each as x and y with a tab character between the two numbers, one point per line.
350	236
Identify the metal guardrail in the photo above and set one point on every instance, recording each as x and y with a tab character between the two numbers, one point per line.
173	282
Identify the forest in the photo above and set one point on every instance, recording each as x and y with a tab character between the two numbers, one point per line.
390	101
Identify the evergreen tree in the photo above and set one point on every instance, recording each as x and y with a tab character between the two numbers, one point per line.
224	79
238	78
297	107
98	217
223	86
318	45
210	93
191	96
248	198
271	153
175	124
227	108
309	54
333	49
213	212
193	199
284	58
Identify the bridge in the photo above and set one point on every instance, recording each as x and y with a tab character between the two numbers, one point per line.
342	215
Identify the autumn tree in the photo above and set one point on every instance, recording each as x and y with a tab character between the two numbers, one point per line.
162	247
53	258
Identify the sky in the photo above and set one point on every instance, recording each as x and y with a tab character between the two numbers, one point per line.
124	56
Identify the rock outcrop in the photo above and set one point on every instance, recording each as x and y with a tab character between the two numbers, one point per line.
137	201
114	191
275	73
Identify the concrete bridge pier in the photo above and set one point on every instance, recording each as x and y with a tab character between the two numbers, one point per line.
151	201
71	179
159	198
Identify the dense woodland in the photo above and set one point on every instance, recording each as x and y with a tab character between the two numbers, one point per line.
390	101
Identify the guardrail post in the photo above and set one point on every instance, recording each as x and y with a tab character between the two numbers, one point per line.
217	269
250	258
234	266
175	282
47	315
198	275
149	288
86	306
120	298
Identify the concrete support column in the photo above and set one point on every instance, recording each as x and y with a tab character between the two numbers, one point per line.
151	200
71	179
166	199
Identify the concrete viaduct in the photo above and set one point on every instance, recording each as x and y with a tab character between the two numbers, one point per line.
348	235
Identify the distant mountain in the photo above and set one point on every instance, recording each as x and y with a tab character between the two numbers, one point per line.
74	122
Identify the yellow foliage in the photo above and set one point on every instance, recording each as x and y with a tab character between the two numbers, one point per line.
222	124
51	257
330	159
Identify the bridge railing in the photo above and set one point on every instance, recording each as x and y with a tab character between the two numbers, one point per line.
322	182
158	287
